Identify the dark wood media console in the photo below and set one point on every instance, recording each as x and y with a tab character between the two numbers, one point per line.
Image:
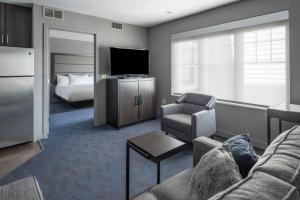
130	100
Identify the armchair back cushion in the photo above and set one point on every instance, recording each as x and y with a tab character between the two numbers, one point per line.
206	101
190	109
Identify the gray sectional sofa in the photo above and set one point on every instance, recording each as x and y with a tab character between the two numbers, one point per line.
25	189
275	176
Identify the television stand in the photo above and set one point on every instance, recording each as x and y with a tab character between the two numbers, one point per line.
130	100
131	76
136	76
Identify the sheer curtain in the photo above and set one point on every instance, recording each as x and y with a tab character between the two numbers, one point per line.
246	65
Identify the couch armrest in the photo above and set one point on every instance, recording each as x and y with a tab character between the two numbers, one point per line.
204	123
211	104
170	109
27	188
201	146
144	196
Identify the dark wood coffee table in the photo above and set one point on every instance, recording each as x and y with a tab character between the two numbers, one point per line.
155	146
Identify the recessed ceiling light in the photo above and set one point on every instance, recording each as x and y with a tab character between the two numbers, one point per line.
169	12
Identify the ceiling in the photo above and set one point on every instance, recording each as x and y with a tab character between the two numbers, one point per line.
144	13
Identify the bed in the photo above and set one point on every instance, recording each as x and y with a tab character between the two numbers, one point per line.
75	93
72	78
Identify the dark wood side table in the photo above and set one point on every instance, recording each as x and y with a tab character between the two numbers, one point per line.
155	146
284	112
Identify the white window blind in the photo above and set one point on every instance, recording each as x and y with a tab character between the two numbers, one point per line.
245	65
187	62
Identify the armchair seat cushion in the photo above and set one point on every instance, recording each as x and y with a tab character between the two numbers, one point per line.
181	122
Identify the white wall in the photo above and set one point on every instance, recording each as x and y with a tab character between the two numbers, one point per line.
230	118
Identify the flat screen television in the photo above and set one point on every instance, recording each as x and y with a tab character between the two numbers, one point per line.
128	61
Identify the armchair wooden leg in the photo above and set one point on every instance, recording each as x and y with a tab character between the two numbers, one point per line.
212	136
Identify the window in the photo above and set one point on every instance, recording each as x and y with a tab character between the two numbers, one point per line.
245	65
187	65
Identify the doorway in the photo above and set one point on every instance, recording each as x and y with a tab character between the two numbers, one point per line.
70	60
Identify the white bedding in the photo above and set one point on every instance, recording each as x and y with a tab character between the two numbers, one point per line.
74	93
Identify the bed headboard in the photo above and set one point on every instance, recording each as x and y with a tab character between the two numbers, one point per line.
62	63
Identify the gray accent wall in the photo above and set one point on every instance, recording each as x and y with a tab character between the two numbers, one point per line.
130	37
231	119
59	45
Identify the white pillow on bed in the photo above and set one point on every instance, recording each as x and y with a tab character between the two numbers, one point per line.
84	79
62	80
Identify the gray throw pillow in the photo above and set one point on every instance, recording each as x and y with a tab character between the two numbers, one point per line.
215	172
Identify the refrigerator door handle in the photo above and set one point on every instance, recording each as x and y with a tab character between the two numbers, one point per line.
6	38
2	39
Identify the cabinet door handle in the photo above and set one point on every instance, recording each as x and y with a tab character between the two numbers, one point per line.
6	39
140	99
2	39
136	100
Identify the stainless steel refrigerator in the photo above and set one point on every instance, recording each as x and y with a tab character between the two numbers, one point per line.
16	95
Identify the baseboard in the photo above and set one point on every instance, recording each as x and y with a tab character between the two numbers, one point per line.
227	134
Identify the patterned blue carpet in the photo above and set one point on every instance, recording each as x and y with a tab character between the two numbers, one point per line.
61	107
83	162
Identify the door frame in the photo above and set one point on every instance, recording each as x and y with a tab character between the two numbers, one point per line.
46	69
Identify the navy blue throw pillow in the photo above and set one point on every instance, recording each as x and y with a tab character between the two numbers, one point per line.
243	153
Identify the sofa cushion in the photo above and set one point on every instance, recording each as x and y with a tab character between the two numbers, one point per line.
215	172
259	186
243	153
180	122
175	188
144	196
26	188
282	158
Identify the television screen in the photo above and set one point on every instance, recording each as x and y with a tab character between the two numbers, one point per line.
128	61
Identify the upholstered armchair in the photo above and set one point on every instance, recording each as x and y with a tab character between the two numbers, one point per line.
191	116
